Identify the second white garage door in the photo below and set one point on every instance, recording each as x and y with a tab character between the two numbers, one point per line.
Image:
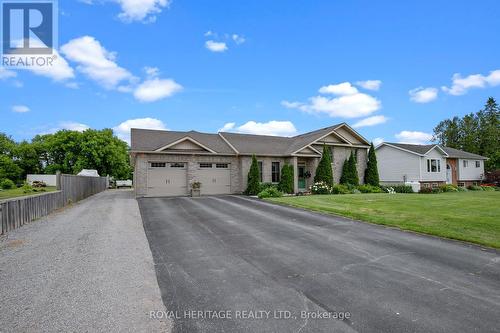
215	178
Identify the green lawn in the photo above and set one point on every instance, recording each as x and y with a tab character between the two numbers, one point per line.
468	216
18	192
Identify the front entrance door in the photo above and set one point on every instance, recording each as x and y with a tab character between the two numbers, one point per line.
302	178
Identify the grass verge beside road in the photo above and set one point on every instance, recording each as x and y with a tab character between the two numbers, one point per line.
469	216
19	192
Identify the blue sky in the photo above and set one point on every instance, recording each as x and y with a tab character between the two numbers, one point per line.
269	67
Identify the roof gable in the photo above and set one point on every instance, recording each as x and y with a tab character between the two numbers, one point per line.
186	144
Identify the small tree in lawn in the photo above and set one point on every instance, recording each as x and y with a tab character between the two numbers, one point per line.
371	173
253	186
286	181
324	171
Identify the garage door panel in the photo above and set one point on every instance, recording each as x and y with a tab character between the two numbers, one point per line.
214	180
168	180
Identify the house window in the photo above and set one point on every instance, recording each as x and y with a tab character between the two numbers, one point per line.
435	185
331	153
461	184
475	183
260	171
222	166
478	164
205	165
433	165
426	185
275	172
466	164
158	164
177	165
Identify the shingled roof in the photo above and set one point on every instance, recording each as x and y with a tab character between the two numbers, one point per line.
224	142
423	149
151	140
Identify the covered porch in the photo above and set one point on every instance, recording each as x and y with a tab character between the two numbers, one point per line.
304	171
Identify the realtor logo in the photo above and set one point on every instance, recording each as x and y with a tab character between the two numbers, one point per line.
28	28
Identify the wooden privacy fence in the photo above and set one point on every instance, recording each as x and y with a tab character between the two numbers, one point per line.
14	213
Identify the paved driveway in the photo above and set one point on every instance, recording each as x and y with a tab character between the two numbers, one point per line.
234	254
85	268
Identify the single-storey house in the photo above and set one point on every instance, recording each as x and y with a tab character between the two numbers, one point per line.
166	163
430	165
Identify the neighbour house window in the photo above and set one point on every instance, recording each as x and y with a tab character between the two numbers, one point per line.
475	183
205	165
275	172
222	165
158	164
433	165
177	165
260	171
478	164
461	184
466	164
434	185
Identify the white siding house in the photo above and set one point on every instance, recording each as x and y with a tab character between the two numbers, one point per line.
397	166
430	165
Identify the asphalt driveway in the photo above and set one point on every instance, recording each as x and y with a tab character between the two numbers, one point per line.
226	255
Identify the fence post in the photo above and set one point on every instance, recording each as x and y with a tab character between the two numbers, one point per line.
58	180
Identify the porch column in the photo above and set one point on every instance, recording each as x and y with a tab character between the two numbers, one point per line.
295	175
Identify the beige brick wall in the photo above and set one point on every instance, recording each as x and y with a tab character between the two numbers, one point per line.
142	160
246	162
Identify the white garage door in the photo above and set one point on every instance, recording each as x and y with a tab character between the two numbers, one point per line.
167	179
215	178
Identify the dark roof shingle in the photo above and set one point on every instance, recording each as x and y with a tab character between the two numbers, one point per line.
422	149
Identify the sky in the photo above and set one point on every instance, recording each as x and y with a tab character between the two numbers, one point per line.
390	69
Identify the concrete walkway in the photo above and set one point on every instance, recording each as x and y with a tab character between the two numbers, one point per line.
87	268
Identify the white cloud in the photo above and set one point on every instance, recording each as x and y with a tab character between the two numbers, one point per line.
370	84
138	10
20	109
344	88
122	130
414	137
273	127
209	33
227	127
460	85
152	71
215	46
370	121
423	95
377	141
155	89
348	103
95	61
6	73
59	71
238	39
73	126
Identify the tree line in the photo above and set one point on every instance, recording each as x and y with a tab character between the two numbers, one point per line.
65	151
477	133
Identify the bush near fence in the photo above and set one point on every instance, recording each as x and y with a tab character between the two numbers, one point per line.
14	213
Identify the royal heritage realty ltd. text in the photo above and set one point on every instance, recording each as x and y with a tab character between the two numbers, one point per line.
248	314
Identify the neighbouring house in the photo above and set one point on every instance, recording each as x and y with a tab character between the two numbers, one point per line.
167	162
429	165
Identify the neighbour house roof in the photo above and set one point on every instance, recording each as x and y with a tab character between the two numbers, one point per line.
232	143
424	149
